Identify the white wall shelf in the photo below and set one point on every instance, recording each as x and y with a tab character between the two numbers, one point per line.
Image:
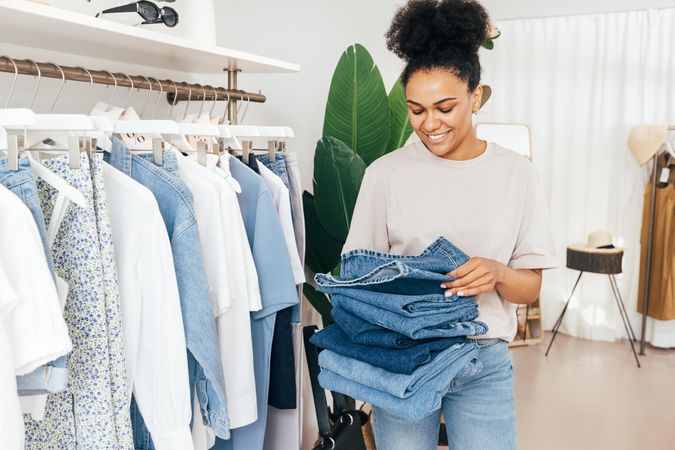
40	26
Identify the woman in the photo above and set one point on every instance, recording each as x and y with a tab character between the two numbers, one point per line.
484	198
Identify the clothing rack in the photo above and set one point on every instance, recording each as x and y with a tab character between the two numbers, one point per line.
645	294
176	91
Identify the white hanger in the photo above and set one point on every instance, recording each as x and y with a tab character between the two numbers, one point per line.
103	126
18	117
57	127
189	130
227	138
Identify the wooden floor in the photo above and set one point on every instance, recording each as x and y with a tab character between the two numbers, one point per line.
591	395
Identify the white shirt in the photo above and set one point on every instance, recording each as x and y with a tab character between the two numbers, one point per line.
211	233
252	286
11	419
491	206
234	326
154	339
35	327
282	202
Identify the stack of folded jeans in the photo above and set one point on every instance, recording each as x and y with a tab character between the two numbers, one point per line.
398	342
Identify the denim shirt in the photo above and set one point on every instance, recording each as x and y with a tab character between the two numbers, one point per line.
176	206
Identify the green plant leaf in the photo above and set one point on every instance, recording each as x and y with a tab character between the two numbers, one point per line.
357	109
338	172
320	302
399	121
323	252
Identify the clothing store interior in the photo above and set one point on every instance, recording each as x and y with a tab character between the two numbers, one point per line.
257	225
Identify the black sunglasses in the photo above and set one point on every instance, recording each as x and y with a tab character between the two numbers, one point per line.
150	12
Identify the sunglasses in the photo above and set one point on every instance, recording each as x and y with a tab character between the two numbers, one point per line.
150	12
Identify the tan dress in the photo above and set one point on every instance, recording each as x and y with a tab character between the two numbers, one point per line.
662	279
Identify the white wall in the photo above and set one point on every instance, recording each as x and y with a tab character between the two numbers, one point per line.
314	34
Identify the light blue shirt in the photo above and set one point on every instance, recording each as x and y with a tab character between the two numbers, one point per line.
277	289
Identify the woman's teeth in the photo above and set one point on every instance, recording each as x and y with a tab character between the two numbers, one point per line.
437	137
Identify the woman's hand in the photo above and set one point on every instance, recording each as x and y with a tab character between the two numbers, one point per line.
476	276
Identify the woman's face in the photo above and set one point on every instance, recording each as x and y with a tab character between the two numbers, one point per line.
440	108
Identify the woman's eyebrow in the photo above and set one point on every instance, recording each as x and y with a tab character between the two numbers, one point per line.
435	103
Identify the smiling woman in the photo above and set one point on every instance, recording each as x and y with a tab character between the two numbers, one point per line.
483	198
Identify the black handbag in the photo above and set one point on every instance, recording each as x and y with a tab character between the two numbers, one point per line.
342	429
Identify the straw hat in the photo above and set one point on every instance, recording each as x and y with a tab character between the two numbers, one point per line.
598	242
645	140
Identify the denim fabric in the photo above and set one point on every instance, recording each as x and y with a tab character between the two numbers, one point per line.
399	274
278	166
176	206
52	377
396	384
367	331
478	408
22	183
405	305
401	360
92	413
48	379
423	327
295	191
421	403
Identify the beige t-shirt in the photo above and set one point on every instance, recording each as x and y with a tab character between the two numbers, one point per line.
491	206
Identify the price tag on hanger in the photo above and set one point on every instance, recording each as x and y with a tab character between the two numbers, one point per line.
665	175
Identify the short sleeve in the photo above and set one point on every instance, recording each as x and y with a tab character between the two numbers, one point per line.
368	228
535	248
275	276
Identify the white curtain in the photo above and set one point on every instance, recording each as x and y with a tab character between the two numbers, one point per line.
581	83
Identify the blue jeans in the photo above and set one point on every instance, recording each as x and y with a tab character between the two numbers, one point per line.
399	274
479	410
397	360
422	402
397	384
361	331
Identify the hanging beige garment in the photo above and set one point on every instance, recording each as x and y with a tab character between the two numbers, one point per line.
662	279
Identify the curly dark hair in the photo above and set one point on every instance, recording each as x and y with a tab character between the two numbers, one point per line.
440	34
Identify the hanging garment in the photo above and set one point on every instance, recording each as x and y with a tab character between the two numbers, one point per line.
176	206
282	394
277	290
53	376
662	278
154	340
11	421
295	188
283	424
118	380
26	271
234	326
211	233
92	413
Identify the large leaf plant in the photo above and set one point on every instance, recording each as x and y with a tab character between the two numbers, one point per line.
362	122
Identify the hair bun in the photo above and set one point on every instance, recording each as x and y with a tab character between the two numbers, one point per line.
424	28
